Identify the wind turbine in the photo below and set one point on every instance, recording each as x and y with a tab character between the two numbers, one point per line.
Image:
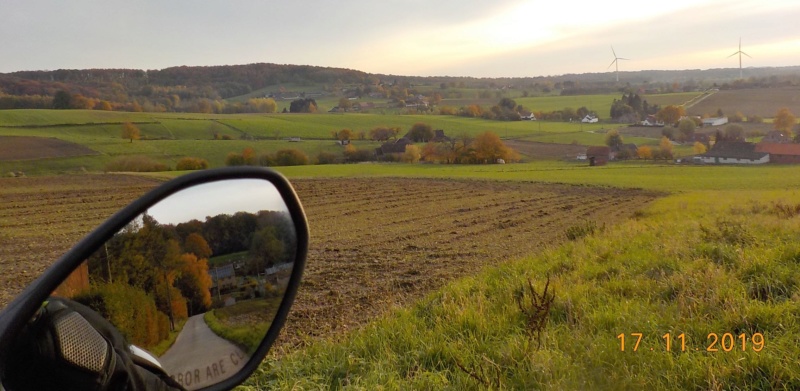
740	52
616	62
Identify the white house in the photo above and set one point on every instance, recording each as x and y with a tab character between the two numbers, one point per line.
527	116
589	119
715	121
651	120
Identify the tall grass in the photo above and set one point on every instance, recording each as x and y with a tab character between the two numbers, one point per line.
691	264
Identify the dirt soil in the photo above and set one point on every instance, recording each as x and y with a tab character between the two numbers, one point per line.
537	150
376	243
29	148
42	217
757	101
381	243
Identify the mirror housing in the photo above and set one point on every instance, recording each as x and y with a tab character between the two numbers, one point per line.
18	313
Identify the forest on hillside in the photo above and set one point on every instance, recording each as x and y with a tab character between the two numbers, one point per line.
210	89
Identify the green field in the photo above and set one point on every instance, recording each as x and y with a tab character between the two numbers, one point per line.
168	137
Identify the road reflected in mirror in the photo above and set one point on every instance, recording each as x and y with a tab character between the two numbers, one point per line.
195	281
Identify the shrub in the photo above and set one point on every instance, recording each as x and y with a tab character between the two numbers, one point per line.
326	158
136	163
411	155
290	157
191	163
266	160
234	159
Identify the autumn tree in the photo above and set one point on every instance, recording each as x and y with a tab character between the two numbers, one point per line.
62	100
307	105
784	121
644	152
734	132
345	104
197	245
671	114
665	148
420	132
411	155
489	148
344	134
699	148
194	282
383	133
130	131
686	127
614	140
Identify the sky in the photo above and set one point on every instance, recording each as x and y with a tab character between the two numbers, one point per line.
215	198
479	38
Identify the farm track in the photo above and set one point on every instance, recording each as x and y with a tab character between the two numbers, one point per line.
376	243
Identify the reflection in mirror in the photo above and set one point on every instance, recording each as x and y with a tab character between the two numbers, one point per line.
196	280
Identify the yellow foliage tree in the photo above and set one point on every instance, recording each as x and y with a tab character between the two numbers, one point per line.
489	148
671	114
665	148
699	148
130	131
644	152
784	121
411	155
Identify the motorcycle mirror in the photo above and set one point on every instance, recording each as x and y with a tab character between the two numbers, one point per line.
197	276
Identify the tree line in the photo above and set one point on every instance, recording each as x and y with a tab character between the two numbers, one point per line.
165	267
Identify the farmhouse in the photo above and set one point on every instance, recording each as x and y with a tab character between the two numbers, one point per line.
390	148
715	121
780	153
651	120
598	156
589	119
223	277
527	116
734	152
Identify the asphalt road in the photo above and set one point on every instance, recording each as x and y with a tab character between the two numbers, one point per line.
200	358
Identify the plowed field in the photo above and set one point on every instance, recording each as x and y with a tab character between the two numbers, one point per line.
375	242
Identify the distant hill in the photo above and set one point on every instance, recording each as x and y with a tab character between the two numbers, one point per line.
206	89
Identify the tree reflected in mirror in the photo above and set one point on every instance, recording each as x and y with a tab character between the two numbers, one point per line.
197	279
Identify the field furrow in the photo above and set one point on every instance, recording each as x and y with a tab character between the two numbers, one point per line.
375	243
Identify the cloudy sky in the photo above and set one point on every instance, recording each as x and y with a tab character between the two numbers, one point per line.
479	38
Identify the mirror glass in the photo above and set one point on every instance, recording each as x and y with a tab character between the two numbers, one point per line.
196	280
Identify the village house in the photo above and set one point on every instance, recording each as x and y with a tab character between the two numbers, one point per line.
598	156
651	120
223	278
393	148
717	121
734	152
590	119
780	153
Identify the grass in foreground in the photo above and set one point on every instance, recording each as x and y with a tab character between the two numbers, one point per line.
693	264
